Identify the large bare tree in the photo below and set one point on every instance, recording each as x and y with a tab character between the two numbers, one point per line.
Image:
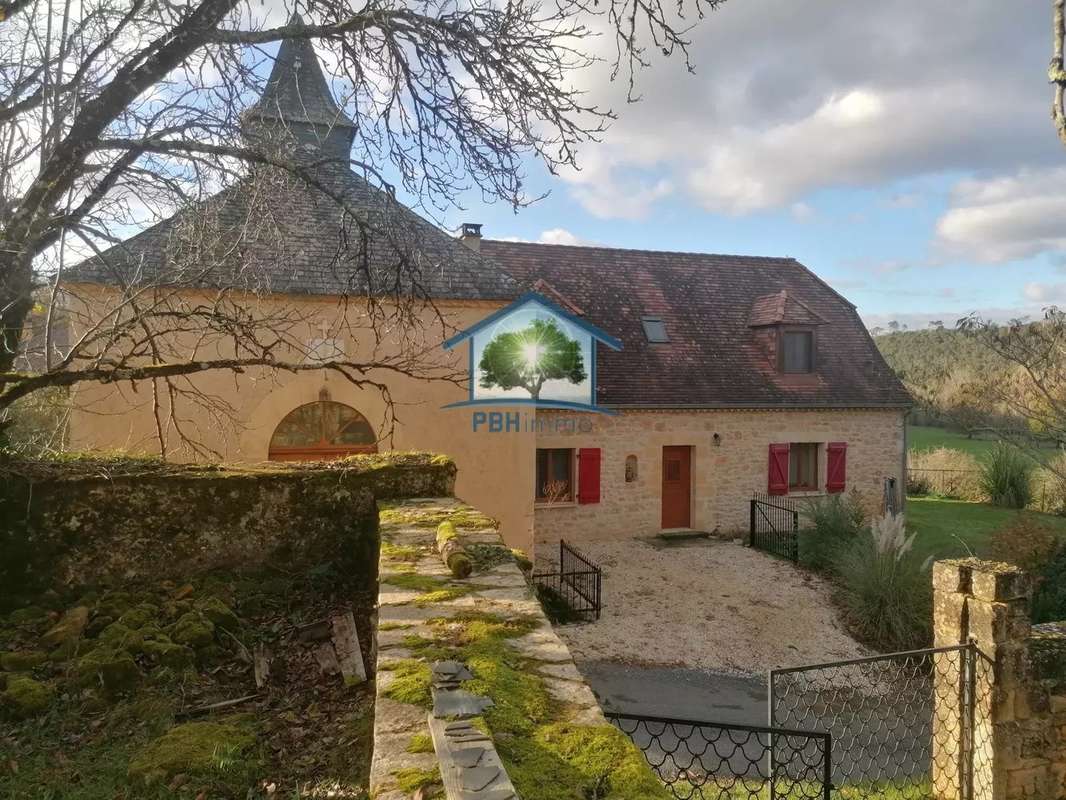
117	114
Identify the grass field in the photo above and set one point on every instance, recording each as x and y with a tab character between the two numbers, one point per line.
922	438
950	528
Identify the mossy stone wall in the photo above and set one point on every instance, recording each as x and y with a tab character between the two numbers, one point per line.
91	521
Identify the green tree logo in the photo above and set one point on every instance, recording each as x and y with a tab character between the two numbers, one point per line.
528	357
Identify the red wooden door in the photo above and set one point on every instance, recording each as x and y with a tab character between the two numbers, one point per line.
677	487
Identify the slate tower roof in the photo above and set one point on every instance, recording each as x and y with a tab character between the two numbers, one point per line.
272	232
298	98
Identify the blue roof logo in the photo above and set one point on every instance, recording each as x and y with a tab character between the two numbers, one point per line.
533	352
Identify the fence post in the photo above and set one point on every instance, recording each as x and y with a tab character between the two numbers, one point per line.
979	711
751	523
794	548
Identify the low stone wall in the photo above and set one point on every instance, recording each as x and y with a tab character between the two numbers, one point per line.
97	521
476	694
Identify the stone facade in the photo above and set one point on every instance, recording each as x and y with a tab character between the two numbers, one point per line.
724	476
1019	686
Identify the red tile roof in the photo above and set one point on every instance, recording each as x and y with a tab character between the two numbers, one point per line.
714	358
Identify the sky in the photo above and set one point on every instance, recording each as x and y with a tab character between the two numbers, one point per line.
902	149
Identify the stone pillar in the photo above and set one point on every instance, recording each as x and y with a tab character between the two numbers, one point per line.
985	603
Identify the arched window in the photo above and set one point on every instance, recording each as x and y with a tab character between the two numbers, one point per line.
321	431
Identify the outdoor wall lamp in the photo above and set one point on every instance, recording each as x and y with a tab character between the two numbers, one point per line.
717	440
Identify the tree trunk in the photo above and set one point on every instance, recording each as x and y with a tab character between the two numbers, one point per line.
1057	69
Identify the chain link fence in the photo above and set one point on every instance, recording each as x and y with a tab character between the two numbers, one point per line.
711	761
906	726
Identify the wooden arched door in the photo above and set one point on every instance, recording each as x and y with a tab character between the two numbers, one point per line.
321	431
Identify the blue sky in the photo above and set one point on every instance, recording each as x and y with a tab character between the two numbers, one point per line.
902	150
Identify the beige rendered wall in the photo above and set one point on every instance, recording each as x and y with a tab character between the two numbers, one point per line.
495	471
723	477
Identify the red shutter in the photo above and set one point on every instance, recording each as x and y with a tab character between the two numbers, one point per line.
778	474
836	460
588	475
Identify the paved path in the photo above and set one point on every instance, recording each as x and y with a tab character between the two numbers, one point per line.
677	692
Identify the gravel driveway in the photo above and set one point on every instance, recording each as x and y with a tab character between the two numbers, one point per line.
707	604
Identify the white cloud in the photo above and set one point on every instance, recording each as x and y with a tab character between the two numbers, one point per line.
553	236
801	212
1006	218
561	236
1045	292
856	94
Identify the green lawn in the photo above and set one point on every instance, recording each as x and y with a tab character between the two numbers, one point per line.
920	437
950	528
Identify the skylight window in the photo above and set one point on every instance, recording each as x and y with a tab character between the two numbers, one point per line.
654	329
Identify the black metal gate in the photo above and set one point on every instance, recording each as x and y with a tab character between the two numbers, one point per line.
711	761
774	526
577	585
903	725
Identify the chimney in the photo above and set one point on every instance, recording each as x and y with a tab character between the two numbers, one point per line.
471	236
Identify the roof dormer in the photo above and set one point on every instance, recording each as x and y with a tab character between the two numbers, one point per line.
786	327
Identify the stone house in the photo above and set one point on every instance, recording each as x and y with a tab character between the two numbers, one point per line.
736	374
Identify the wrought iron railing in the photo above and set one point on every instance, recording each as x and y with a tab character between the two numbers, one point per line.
711	761
575	590
774	525
905	726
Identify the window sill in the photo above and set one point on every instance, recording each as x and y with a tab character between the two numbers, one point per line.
540	504
804	491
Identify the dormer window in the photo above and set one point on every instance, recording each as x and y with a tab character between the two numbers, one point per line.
797	351
654	330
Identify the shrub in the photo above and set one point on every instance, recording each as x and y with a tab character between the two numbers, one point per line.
1024	542
1005	477
834	523
885	588
1049	597
1049	486
946	472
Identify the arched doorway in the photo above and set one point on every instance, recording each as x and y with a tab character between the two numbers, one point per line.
321	431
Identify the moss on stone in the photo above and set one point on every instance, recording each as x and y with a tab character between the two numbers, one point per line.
433	590
446	532
140	615
21	616
410	682
219	614
411	779
546	757
22	660
561	761
420	743
524	562
413	516
23	697
192	629
114	669
398	552
170	654
222	752
394	626
118	636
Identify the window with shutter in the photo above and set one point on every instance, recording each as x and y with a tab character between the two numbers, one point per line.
554	475
777	482
836	456
588	475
